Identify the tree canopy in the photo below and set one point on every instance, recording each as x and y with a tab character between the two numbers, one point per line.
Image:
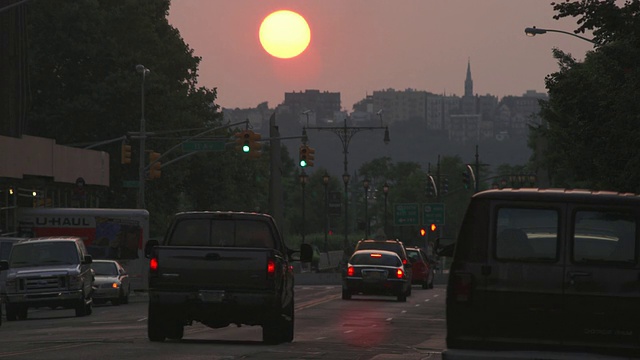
591	121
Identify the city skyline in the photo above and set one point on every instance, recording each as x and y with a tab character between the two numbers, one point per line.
358	47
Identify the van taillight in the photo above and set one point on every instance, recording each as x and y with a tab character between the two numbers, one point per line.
461	287
271	267
153	264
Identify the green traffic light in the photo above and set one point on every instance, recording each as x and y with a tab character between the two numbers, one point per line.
303	163
245	148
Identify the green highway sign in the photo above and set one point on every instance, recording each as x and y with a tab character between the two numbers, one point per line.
406	214
203	145
433	213
130	183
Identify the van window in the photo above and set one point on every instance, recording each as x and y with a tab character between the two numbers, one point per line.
604	236
226	233
527	234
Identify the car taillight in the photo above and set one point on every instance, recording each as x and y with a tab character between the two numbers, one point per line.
399	273
271	267
404	261
351	271
461	287
153	264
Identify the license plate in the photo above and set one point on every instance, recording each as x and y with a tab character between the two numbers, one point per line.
373	275
211	296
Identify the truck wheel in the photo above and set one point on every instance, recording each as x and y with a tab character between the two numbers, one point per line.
175	330
23	310
155	324
12	312
288	323
81	309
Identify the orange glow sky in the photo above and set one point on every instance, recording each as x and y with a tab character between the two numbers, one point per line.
361	46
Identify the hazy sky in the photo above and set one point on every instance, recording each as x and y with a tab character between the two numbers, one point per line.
361	46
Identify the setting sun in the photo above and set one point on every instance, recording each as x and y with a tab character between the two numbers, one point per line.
284	34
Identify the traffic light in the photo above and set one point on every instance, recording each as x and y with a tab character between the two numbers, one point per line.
445	186
303	153
242	141
466	179
423	232
125	154
154	165
433	227
310	155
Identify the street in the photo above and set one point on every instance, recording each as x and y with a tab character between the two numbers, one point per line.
327	327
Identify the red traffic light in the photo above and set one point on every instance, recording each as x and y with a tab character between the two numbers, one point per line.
423	232
433	227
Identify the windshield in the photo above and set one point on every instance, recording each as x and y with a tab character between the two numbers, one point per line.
43	254
104	268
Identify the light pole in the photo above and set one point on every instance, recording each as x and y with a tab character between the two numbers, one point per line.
346	133
143	135
307	112
345	178
365	185
533	31
325	182
303	181
385	190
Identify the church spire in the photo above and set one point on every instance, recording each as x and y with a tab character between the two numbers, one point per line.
468	83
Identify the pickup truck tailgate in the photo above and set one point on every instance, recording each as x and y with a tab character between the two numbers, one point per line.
190	268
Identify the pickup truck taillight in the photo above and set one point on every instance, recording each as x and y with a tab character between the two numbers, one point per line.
153	265
271	267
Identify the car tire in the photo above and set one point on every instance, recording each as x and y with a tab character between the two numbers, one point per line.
125	297
155	324
175	330
346	294
12	312
402	297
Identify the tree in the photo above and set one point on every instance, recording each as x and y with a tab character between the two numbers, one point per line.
590	122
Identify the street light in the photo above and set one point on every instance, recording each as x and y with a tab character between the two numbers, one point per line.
325	182
345	179
385	190
365	185
307	112
143	135
346	133
533	31
303	181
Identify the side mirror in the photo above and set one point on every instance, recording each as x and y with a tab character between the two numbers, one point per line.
306	253
88	259
4	265
148	247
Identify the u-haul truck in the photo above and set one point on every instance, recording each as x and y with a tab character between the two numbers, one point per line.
118	234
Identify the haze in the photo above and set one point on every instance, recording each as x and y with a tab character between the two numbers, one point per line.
360	46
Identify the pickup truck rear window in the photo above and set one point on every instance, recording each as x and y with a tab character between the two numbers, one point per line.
222	232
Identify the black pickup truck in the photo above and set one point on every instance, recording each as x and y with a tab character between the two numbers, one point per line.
222	268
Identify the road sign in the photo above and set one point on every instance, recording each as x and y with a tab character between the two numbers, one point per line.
406	214
433	213
335	203
203	145
130	183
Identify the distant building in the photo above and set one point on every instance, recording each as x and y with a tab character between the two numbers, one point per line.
323	105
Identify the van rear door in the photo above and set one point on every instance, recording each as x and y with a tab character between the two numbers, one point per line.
602	281
522	292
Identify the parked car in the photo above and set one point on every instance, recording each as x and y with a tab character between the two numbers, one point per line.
545	270
423	271
375	272
393	245
112	282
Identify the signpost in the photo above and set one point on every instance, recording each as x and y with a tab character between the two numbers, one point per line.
203	145
406	214
433	213
335	203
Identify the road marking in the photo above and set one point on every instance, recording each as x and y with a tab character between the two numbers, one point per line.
417	305
389	319
403	311
425	300
348	331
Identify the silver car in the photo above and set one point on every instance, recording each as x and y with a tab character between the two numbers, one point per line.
111	282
